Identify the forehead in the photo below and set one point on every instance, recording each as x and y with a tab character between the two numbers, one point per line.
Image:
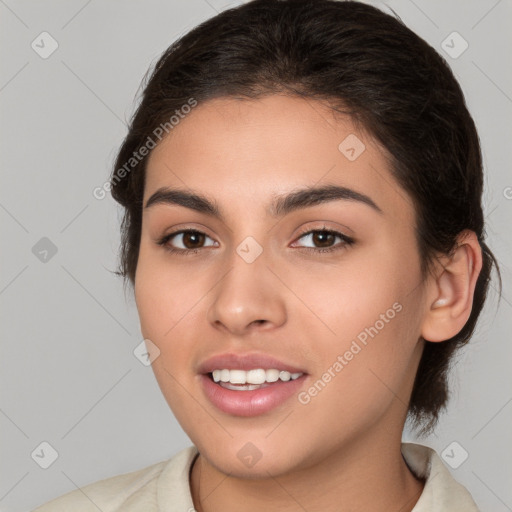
245	152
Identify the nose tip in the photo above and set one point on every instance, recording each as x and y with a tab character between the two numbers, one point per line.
244	302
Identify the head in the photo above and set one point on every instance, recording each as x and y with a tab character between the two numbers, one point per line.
253	105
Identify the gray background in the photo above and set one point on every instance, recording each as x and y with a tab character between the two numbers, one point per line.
68	373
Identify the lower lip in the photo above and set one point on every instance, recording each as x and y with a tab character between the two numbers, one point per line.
250	403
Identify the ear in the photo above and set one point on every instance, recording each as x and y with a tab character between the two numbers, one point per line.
450	297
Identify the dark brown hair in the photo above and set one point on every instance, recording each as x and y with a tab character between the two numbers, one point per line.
364	63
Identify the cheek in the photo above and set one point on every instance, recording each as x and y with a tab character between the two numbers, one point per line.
351	296
150	296
163	315
160	296
358	381
169	308
373	327
167	316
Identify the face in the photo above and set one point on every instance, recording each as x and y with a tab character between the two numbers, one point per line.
324	285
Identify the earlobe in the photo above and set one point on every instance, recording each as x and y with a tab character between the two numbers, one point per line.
452	291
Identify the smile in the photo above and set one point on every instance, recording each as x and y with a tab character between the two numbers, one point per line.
235	379
249	399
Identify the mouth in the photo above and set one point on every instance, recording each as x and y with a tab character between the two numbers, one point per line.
250	393
259	378
249	384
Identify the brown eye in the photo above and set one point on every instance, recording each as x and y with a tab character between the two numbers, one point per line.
192	238
191	241
324	237
323	240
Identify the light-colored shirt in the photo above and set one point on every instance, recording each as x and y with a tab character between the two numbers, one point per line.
165	487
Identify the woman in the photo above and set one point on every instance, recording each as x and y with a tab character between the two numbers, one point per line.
304	234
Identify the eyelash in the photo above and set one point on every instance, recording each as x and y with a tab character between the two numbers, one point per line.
346	241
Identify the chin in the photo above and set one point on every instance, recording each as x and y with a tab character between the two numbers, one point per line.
257	459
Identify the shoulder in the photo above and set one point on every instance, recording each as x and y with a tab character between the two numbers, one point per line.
441	491
130	492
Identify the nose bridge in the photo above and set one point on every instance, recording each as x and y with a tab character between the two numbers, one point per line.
246	293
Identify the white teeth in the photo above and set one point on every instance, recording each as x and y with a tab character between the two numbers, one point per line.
238	377
258	376
285	376
272	375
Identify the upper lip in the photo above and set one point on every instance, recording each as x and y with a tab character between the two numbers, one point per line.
232	361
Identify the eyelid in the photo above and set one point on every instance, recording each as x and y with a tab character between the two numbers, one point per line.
169	236
184	227
325	229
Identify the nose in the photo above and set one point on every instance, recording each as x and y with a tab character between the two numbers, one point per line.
249	297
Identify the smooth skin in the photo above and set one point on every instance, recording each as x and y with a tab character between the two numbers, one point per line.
340	451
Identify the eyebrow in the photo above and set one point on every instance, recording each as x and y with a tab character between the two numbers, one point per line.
281	205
